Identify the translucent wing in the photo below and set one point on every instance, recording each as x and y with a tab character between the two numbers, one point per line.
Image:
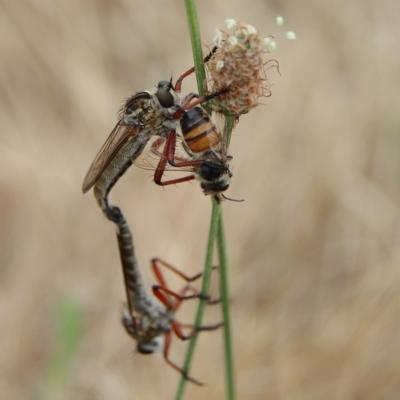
220	124
150	158
120	134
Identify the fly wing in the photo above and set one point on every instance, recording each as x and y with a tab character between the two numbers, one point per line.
150	159
222	128
119	135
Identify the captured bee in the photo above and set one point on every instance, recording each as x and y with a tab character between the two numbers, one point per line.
206	151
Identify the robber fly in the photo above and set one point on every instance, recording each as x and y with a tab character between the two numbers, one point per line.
145	319
146	114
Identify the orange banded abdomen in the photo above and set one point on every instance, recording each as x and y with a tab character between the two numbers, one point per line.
198	130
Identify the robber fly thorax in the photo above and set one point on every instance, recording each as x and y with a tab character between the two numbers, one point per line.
144	115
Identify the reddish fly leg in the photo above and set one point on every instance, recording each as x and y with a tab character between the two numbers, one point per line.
172	301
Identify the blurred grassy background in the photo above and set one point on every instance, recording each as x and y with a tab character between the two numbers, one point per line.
314	249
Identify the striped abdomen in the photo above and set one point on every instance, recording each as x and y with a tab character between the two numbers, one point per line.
198	130
137	297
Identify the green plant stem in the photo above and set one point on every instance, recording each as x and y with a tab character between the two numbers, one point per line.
226	312
69	335
195	38
204	289
216	233
229	125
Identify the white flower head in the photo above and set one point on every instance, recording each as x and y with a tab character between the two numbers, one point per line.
243	33
272	45
251	30
231	24
267	41
232	41
290	35
218	38
219	65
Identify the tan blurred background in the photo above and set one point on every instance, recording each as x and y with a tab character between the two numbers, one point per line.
314	250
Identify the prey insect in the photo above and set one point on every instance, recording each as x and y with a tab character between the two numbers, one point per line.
144	318
206	149
144	115
204	145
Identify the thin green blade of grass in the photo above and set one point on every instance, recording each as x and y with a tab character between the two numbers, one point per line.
69	333
216	233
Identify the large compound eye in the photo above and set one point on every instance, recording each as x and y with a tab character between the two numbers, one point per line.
164	94
164	84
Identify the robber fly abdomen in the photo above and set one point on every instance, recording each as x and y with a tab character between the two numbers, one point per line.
115	169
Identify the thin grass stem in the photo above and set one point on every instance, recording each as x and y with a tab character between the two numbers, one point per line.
204	289
226	312
216	233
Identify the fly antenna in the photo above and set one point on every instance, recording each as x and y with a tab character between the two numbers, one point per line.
236	200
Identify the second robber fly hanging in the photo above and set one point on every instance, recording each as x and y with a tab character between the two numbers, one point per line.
146	319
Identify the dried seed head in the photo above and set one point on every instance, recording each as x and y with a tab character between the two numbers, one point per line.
238	64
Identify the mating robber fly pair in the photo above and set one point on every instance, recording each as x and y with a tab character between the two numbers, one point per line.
144	116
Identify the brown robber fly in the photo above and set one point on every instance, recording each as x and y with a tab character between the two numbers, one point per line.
144	318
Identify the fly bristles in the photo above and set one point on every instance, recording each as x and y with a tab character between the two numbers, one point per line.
238	64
